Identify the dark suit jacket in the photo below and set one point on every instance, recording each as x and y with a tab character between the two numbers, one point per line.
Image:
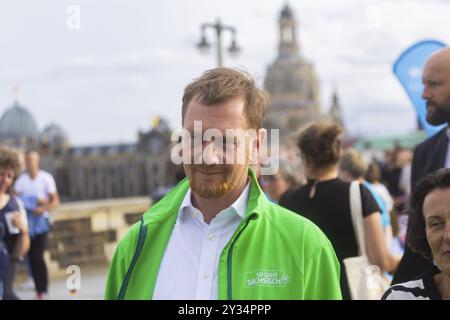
428	157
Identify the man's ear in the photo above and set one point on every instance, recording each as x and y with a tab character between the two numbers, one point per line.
258	141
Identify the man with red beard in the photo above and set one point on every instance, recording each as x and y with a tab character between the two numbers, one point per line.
216	235
433	153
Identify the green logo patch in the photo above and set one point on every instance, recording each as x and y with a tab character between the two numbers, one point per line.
266	278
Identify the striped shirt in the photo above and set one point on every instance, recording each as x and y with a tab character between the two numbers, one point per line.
422	288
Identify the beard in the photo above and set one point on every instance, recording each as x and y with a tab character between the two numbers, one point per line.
216	187
440	114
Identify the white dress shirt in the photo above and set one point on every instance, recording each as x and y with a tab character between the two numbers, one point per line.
190	264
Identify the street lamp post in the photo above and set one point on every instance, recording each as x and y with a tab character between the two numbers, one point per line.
219	28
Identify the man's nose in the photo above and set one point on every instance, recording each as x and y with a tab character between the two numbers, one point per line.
212	153
426	95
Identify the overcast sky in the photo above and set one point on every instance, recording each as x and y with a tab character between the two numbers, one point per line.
130	60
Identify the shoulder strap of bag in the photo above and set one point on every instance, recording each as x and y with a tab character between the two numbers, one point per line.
357	217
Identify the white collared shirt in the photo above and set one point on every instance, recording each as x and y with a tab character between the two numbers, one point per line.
189	268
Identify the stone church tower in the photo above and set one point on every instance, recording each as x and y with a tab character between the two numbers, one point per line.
336	113
291	82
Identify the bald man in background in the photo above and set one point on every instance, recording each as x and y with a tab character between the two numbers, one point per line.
433	153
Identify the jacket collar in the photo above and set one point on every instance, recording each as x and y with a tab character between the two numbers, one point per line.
239	206
440	151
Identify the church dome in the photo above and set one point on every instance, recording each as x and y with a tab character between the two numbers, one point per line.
18	123
54	135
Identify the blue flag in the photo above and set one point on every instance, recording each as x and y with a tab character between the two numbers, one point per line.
408	68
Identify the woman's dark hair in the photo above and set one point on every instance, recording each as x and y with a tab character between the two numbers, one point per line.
373	173
416	236
320	145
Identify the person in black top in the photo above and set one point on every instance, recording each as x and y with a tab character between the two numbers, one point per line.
325	200
429	235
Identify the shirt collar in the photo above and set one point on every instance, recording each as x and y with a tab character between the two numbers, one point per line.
187	200
239	206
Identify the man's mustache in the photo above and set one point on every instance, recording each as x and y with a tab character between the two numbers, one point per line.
209	168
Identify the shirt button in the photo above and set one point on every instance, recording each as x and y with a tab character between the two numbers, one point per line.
212	237
205	275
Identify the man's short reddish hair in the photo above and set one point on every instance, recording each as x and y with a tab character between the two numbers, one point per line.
220	85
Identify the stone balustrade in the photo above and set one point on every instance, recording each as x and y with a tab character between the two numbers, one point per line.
86	233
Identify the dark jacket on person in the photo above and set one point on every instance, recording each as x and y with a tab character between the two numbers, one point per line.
429	156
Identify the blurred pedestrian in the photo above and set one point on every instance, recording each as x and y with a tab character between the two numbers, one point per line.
352	167
37	189
396	173
373	176
284	180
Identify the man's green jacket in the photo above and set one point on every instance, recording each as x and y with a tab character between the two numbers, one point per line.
273	254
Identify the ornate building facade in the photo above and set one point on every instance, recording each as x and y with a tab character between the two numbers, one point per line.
93	172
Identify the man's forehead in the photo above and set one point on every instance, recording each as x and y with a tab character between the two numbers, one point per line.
437	65
227	115
32	155
196	105
226	132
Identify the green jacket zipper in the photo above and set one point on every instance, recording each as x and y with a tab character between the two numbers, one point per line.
230	258
140	245
137	253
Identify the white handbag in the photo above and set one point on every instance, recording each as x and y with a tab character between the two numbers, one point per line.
365	280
